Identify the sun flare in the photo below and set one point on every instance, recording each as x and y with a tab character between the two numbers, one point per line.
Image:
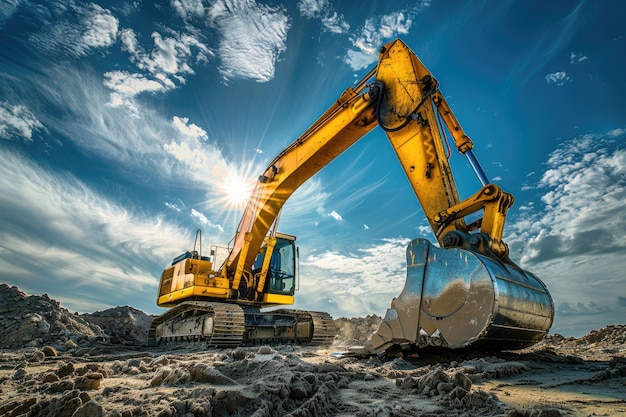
236	190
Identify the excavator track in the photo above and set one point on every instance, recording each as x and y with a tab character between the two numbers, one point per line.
225	325
324	329
216	324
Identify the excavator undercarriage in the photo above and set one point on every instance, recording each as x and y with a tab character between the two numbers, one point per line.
226	325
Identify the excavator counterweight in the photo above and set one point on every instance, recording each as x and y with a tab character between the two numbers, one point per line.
464	292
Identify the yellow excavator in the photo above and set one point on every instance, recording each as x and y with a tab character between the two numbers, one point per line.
464	292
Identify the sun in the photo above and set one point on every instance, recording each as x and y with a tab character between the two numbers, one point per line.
236	190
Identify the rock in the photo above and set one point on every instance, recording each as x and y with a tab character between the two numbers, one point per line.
160	361
123	325
266	350
206	373
35	320
38	356
70	344
462	380
90	381
65	369
49	351
62	386
17	408
50	377
170	376
19	373
89	409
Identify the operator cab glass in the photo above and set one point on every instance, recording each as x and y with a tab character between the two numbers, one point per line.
281	276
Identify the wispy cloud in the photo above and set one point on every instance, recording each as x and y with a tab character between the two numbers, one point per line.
559	78
252	38
16	121
80	30
164	68
376	31
73	235
189	9
191	130
336	216
7	8
323	10
589	307
577	58
204	221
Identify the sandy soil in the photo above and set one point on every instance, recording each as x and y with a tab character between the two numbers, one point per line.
74	374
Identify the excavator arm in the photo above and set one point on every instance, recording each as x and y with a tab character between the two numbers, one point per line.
402	97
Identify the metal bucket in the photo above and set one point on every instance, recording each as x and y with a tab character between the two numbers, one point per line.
457	298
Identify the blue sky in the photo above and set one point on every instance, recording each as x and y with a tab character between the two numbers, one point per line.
125	126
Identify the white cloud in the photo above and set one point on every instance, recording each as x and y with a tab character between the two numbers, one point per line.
7	8
576	58
100	27
321	9
584	189
616	132
252	39
162	69
170	55
64	233
359	60
17	121
192	130
378	30
82	30
335	23
173	206
575	241
152	145
559	78
189	9
129	85
204	221
334	215
312	8
589	307
349	280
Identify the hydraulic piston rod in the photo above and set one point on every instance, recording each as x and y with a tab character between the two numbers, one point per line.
482	177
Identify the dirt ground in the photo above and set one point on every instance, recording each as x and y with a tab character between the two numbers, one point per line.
55	363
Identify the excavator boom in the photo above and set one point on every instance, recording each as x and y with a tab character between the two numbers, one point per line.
464	292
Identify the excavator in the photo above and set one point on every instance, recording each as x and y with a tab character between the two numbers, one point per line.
462	292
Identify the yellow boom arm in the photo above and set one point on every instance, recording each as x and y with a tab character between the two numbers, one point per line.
401	96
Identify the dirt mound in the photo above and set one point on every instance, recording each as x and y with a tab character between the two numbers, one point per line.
614	335
356	331
123	325
31	321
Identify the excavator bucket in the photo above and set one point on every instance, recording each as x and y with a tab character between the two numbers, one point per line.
457	298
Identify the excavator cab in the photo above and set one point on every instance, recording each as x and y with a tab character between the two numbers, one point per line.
282	272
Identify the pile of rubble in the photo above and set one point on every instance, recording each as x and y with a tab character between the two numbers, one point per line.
31	321
35	321
123	325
